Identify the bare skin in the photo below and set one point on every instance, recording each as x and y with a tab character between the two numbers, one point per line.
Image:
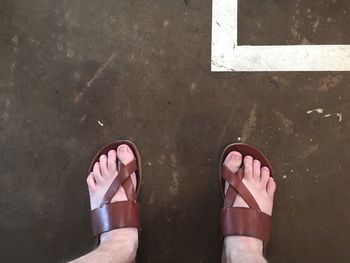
258	181
119	245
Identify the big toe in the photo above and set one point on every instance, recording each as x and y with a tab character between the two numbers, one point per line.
233	161
125	154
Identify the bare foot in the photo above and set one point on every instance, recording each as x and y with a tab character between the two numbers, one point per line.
99	181
258	181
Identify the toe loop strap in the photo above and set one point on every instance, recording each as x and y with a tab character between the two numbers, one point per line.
245	222
115	215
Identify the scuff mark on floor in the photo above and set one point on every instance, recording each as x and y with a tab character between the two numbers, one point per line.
97	74
250	124
172	160
316	24
152	198
309	151
5	114
174	187
287	124
227	123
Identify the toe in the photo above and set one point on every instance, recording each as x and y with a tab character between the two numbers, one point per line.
103	165
97	172
233	161
265	176
248	167
112	161
256	169
91	182
271	187
125	154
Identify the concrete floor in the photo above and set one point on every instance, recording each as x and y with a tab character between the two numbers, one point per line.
142	69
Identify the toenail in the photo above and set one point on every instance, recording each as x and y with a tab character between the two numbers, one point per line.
234	155
248	158
122	148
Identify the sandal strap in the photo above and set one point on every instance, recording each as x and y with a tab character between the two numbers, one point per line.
123	179
235	182
242	221
245	222
231	192
115	215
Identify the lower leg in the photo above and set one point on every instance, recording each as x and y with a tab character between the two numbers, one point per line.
243	249
240	249
117	246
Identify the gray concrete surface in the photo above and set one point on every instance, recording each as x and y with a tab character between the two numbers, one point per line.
142	68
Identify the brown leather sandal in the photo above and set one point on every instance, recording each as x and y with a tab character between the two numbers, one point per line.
120	214
240	221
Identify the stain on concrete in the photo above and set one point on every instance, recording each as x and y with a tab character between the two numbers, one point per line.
330	82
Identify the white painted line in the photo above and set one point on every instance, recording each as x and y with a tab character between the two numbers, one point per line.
292	58
227	55
224	32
